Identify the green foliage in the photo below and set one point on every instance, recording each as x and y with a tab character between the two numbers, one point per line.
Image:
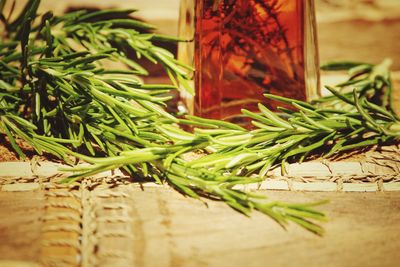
58	95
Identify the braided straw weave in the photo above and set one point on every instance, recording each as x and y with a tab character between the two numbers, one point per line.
374	170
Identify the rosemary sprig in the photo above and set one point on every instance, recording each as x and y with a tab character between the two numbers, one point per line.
57	94
371	81
340	122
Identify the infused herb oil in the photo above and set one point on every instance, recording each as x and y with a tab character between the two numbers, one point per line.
242	49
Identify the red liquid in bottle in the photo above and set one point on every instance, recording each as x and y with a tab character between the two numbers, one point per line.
245	48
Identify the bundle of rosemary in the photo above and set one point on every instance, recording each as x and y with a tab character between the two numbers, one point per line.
57	95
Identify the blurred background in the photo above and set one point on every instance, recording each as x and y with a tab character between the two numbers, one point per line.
366	30
356	30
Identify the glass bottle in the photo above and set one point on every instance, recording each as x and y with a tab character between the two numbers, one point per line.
242	49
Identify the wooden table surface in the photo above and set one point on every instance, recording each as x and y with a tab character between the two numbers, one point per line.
128	226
